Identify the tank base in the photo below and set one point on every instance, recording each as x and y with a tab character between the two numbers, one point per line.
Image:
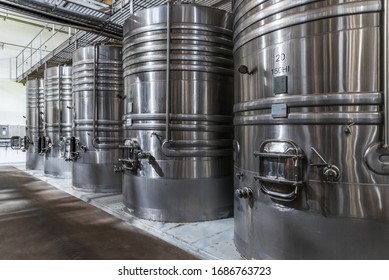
285	235
178	200
58	168
96	178
34	161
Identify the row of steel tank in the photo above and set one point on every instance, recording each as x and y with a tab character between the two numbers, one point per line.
310	116
74	119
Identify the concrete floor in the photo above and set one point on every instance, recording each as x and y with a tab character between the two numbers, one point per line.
204	240
39	221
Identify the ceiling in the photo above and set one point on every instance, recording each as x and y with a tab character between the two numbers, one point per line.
97	20
105	17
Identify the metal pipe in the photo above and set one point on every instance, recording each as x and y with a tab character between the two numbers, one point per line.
37	114
386	72
167	71
210	150
40	46
59	102
95	61
31	56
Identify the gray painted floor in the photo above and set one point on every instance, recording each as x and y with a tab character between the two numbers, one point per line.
41	222
206	240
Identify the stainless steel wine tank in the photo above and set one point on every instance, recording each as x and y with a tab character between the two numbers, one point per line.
178	114
35	123
97	98
311	126
58	120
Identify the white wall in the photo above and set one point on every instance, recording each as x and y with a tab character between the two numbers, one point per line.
12	103
16	32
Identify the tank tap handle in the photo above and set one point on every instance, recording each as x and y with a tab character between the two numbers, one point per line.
321	158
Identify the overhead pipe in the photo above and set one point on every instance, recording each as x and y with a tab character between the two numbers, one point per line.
71	19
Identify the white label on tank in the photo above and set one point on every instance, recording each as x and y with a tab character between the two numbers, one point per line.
129	107
279	111
129	122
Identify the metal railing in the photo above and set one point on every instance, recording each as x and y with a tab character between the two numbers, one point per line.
40	46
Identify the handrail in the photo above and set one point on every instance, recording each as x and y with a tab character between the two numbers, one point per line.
30	50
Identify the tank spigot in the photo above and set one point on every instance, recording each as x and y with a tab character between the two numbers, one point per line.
118	169
244	193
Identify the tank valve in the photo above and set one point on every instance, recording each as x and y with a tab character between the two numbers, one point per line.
244	193
331	173
129	164
143	155
348	129
239	175
118	169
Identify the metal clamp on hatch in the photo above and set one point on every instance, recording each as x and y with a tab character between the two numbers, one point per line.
280	169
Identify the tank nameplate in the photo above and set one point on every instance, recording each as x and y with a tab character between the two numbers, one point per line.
280	84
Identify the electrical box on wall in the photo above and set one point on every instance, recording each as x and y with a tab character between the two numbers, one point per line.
4	131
